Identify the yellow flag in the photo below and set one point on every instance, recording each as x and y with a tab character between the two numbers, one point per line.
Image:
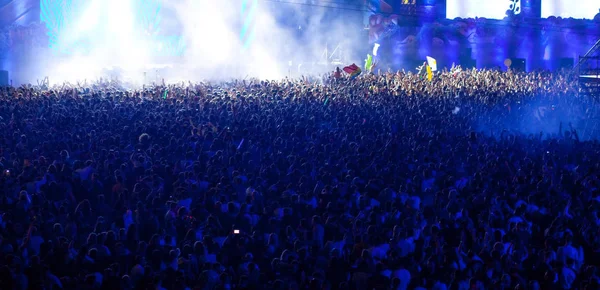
429	73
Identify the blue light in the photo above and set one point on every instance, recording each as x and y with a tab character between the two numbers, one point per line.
249	20
57	16
172	45
148	14
61	15
250	39
244	3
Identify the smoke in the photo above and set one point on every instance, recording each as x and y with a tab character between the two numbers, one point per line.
265	39
540	114
100	36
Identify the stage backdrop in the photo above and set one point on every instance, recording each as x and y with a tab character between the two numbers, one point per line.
584	9
75	26
543	43
481	8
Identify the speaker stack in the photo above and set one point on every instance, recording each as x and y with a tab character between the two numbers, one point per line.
3	78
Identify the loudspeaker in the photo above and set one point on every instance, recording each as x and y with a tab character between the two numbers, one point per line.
468	63
566	63
3	78
466	53
518	64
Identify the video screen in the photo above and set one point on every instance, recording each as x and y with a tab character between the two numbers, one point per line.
481	8
584	9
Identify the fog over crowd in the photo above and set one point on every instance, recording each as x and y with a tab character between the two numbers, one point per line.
214	40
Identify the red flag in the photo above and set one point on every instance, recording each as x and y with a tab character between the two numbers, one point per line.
351	69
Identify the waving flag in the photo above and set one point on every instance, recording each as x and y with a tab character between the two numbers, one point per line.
455	70
429	73
432	63
368	63
353	70
375	49
422	70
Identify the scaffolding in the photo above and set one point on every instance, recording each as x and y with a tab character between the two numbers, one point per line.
336	56
588	70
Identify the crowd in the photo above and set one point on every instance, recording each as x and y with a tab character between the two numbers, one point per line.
387	181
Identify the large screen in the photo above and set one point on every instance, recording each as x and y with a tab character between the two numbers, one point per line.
495	9
79	26
583	9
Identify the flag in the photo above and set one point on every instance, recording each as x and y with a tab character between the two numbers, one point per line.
432	63
422	70
379	6
455	70
368	63
429	73
353	70
375	49
165	94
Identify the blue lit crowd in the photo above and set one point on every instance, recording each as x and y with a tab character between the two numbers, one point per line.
388	181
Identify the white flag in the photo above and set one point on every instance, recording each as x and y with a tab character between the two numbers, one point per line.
432	63
375	49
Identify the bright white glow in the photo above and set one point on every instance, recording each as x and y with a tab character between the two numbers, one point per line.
109	29
125	47
90	18
108	35
209	32
75	69
582	9
491	9
212	33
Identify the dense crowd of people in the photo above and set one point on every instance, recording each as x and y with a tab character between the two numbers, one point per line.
387	181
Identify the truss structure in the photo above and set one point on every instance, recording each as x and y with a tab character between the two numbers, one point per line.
588	70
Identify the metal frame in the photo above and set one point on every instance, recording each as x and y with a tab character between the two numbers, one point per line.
337	56
588	70
589	76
